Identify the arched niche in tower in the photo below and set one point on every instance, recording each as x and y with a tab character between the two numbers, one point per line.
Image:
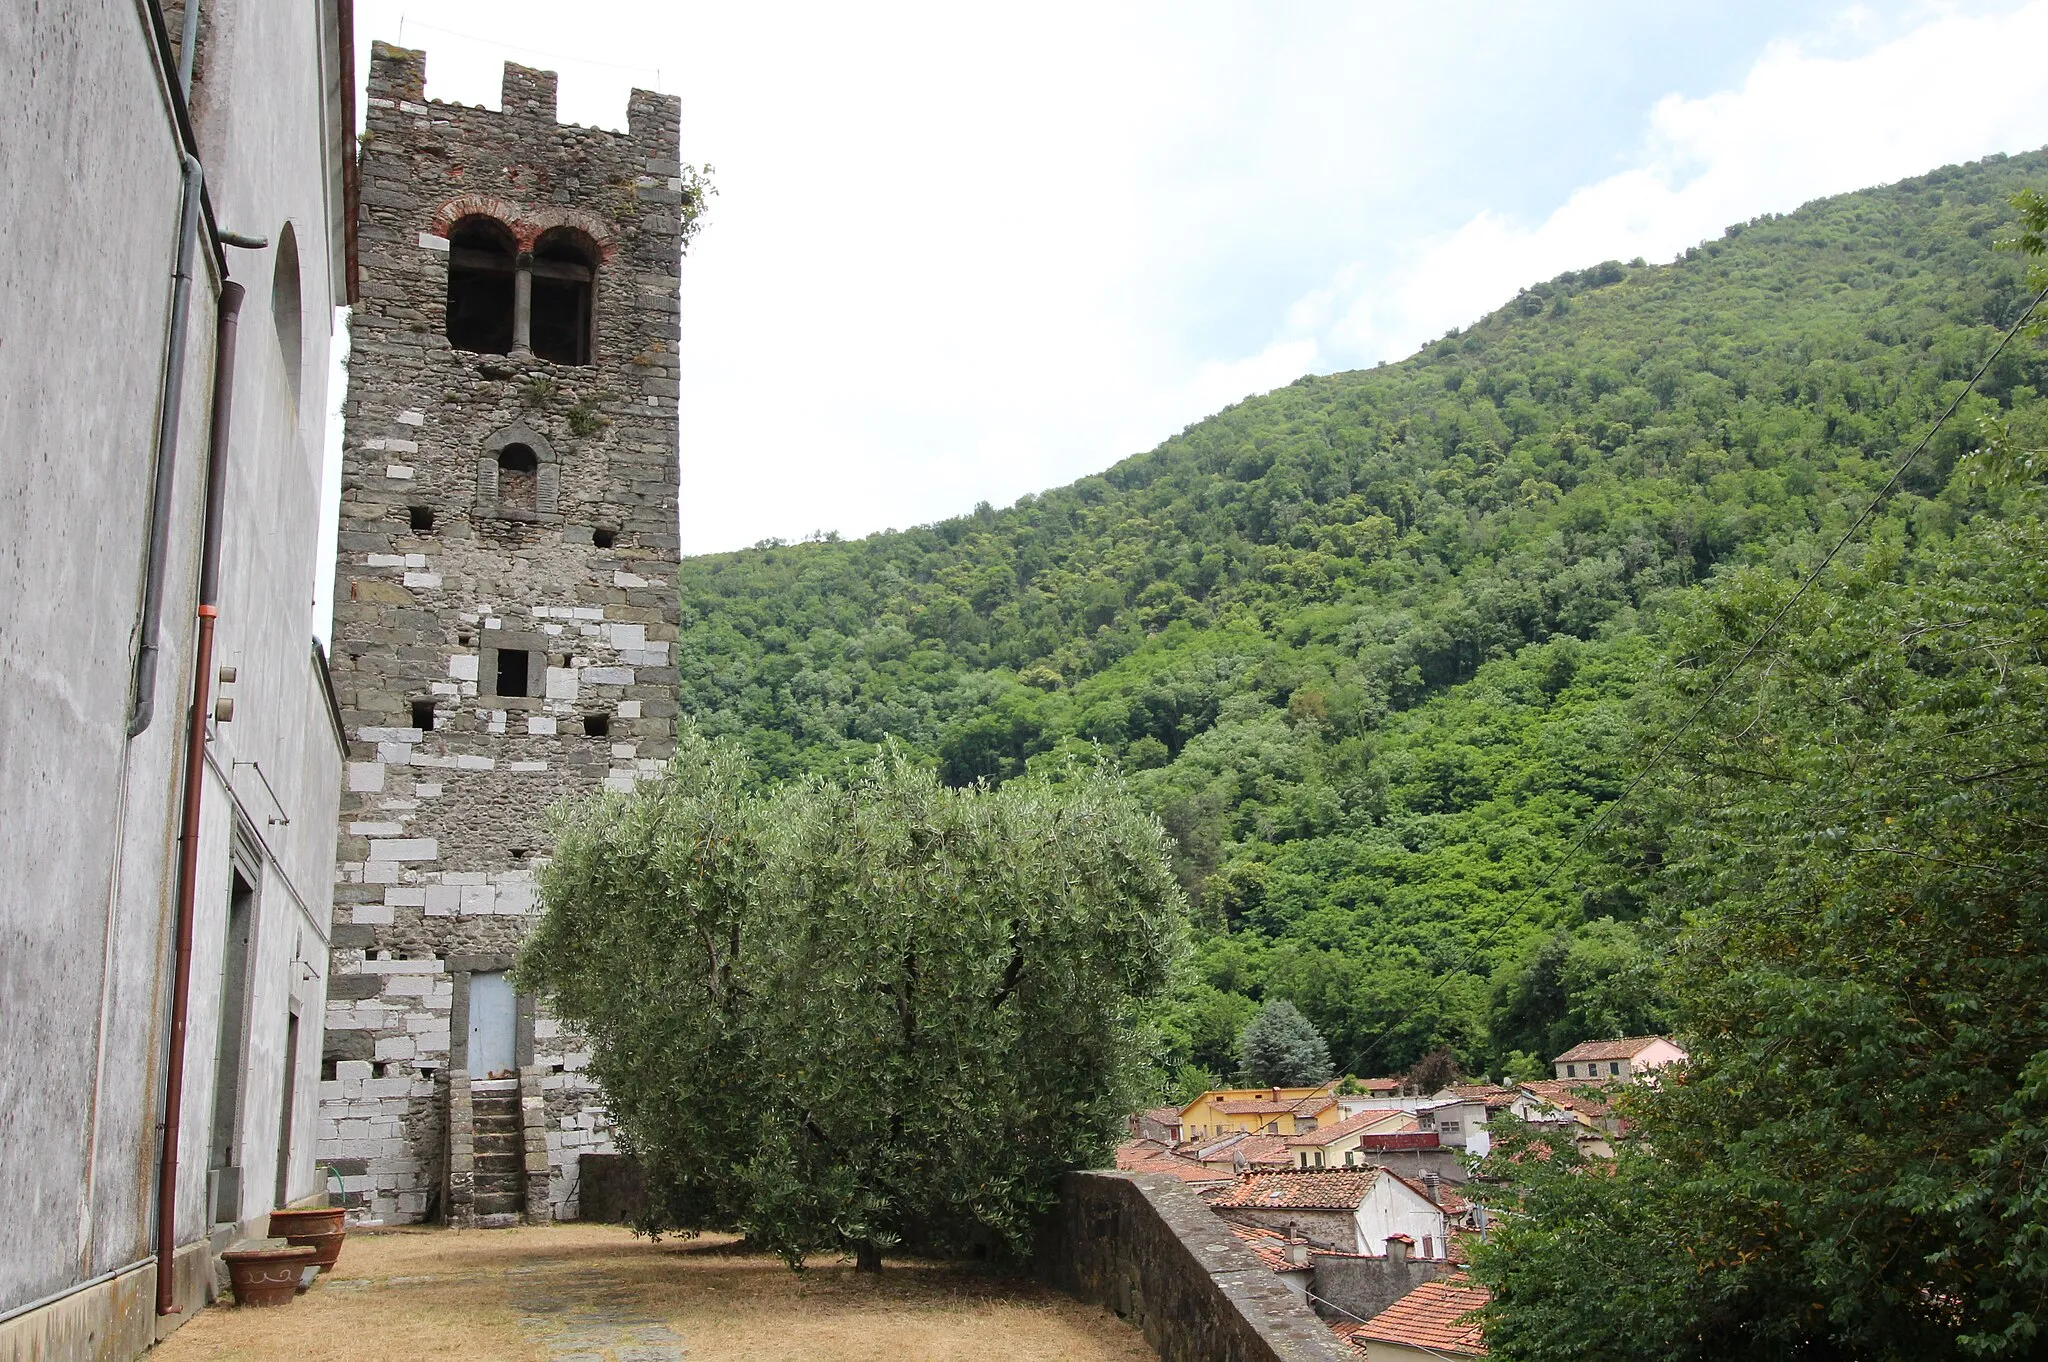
518	476
483	262
564	270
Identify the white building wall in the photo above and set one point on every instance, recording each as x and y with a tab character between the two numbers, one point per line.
1393	1207
90	163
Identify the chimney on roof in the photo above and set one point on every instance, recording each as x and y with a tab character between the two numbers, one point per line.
1430	1185
1297	1252
1397	1248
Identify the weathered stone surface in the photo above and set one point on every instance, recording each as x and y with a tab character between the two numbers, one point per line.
1357	1287
614	1188
441	571
1153	1252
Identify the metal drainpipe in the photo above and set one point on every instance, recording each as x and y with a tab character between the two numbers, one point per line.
188	47
143	706
195	773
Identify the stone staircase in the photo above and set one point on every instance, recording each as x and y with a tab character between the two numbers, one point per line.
498	1196
497	1151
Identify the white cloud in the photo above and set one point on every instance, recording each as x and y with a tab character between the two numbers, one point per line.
962	253
1801	126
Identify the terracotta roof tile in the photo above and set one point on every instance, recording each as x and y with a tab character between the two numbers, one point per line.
1493	1097
1270	1245
1435	1317
1565	1094
1150	1156
1338	1189
1351	1125
1252	1149
1269	1149
1627	1048
1349	1334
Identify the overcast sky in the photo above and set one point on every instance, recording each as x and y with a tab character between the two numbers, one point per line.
964	252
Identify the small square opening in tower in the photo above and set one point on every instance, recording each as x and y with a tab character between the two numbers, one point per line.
597	725
423	715
511	671
603	538
422	518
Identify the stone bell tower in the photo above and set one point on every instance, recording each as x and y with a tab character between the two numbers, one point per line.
505	608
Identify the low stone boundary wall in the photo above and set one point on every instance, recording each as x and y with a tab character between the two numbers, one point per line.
1155	1254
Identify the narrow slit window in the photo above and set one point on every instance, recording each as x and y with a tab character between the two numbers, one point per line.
422	518
511	672
518	478
423	715
482	259
564	272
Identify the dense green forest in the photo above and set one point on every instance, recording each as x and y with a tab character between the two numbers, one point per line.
1375	646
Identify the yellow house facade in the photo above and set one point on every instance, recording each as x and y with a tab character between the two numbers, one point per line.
1258	1111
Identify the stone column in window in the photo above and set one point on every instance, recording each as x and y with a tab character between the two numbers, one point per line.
522	305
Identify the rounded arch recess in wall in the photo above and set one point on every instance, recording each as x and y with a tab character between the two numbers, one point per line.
547	475
287	315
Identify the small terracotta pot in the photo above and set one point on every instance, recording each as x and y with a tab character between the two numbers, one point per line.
267	1276
319	1228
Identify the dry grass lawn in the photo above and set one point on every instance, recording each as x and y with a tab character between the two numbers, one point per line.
485	1296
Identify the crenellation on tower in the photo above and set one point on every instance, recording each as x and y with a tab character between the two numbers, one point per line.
505	612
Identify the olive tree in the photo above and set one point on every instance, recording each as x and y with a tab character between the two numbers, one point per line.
846	1017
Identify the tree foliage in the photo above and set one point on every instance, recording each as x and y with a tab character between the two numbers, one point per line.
842	1016
1372	646
1280	1048
1853	851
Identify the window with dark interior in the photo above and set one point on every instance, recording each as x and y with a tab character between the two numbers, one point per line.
597	725
482	261
421	517
564	267
423	715
518	478
511	671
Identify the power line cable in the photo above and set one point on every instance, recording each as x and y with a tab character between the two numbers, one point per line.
405	23
1671	740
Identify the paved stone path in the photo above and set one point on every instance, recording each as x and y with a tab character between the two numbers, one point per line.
588	1317
575	1316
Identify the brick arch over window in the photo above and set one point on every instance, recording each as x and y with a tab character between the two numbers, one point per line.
527	224
513	447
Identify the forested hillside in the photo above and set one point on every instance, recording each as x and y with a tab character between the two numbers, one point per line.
1375	645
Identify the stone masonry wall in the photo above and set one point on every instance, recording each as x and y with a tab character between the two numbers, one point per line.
441	826
1151	1250
1353	1286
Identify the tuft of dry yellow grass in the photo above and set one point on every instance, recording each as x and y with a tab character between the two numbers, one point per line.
486	1296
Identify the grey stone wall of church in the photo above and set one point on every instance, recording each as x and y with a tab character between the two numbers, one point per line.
441	826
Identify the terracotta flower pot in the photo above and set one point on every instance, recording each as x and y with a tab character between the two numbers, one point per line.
307	1220
319	1228
267	1276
